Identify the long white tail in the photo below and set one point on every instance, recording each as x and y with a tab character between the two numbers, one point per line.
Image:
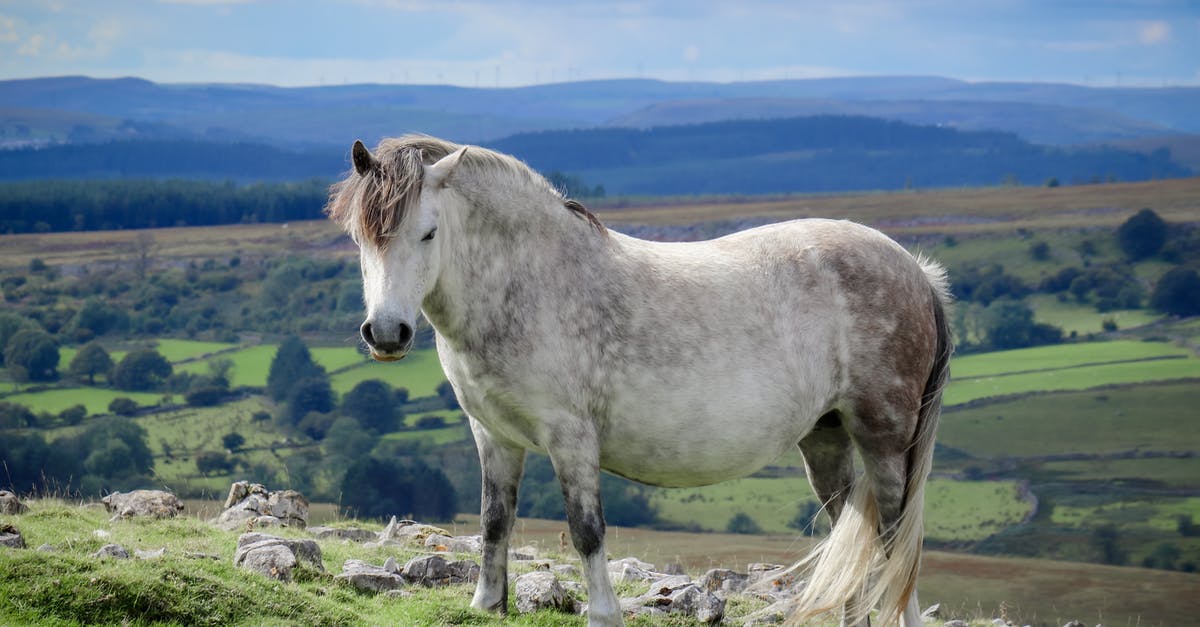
852	568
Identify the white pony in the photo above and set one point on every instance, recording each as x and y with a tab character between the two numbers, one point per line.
679	364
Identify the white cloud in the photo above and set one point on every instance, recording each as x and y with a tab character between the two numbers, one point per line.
1154	32
32	46
8	30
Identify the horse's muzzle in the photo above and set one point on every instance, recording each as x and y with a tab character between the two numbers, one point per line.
387	344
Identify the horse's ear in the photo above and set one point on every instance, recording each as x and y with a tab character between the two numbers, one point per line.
363	161
436	174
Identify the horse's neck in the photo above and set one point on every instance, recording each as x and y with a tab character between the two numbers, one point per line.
505	262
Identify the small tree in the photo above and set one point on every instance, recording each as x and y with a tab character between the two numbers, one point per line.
1177	293
90	361
123	406
742	523
141	370
232	441
292	364
214	463
313	394
373	405
10	323
1142	235
32	355
73	415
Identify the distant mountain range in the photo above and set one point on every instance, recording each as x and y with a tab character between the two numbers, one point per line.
306	132
86	109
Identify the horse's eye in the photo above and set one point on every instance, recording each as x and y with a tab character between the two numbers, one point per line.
429	235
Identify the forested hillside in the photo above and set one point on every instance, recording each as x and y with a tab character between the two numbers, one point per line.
819	154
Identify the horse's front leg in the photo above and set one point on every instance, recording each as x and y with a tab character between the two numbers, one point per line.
576	460
502	466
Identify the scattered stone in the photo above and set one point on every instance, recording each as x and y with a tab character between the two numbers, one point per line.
541	590
956	623
519	556
112	550
10	505
253	505
674	568
101	533
10	537
274	561
201	556
632	561
723	580
366	577
677	594
625	572
409	532
1000	622
1074	623
353	534
152	503
566	570
46	548
397	594
149	555
455	544
275	557
434	570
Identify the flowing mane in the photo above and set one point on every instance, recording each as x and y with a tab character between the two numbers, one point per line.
372	206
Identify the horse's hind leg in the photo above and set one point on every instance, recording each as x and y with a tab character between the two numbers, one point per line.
502	467
829	463
884	439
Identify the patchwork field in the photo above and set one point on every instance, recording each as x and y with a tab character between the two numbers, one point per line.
1067	367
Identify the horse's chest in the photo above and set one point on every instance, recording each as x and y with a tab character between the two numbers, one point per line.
488	397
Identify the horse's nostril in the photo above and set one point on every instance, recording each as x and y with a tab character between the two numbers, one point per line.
366	334
406	334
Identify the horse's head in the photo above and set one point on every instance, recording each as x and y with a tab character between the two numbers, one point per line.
392	209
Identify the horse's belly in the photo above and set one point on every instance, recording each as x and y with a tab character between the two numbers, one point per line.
661	452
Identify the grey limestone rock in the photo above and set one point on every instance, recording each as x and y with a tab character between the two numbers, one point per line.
11	537
152	503
10	505
541	590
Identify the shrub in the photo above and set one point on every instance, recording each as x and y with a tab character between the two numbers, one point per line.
1142	235
123	406
214	463
1177	293
742	523
32	355
205	396
141	370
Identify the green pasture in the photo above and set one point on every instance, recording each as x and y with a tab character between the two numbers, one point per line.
1174	472
1083	318
1160	514
250	365
95	399
966	511
1159	417
181	350
455	432
338	358
1072	378
1059	356
420	373
954	510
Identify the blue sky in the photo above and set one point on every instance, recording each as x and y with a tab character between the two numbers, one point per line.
475	42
